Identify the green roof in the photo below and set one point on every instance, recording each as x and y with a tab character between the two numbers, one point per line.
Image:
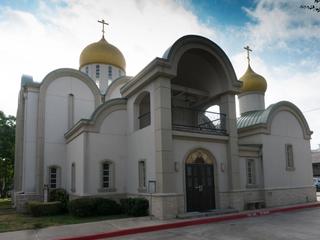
252	118
263	117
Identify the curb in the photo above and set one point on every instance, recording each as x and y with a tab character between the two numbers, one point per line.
185	223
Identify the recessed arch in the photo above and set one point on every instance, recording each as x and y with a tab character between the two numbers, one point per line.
48	79
196	57
195	155
142	110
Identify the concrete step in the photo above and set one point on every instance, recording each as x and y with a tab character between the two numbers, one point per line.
209	213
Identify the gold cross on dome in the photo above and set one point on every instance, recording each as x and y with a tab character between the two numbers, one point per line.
248	53
103	22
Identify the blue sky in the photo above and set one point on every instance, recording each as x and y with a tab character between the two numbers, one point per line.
39	36
221	12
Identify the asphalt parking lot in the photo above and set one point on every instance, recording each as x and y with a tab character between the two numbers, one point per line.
302	224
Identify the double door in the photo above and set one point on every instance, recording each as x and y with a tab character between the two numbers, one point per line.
200	187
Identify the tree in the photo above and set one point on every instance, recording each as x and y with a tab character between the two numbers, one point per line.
7	145
313	7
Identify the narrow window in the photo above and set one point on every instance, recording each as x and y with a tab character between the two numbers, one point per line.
54	177
106	173
251	176
107	183
87	70
73	177
97	71
289	157
110	72
144	111
142	174
119	73
70	110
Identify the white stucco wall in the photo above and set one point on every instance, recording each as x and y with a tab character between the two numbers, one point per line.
115	93
285	129
56	118
141	144
75	154
251	102
29	145
110	144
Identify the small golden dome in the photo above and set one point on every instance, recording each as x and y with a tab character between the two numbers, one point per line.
104	53
252	81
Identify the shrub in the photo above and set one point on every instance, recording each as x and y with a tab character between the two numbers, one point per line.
140	207
85	207
126	205
135	206
60	195
107	207
38	209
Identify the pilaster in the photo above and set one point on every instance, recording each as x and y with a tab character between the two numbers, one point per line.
163	136
228	107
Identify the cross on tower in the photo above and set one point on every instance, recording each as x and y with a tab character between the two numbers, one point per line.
248	53
103	22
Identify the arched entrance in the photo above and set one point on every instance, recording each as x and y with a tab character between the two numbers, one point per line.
200	194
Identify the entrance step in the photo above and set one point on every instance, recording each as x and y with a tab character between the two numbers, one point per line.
206	214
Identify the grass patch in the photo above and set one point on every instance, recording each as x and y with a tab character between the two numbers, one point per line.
5	202
14	221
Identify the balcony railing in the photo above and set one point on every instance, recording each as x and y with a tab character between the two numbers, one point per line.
144	120
186	119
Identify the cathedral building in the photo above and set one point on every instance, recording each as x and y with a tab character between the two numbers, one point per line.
98	132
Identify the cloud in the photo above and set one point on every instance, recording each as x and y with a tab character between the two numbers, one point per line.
277	23
53	35
37	41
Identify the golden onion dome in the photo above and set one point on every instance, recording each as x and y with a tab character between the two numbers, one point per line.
104	53
252	81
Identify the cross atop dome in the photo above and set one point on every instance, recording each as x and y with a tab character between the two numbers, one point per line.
248	53
103	22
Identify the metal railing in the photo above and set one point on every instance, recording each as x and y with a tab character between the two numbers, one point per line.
144	120
192	120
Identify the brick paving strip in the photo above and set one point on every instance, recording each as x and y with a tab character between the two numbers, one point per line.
185	223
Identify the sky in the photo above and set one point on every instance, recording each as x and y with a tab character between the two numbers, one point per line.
37	37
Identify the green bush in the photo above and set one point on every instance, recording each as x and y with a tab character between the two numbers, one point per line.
82	207
106	206
85	207
140	207
60	195
126	205
135	206
38	209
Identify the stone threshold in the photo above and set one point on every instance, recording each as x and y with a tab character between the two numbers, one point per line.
209	213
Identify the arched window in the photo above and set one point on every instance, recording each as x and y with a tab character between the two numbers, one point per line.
142	175
143	110
289	157
107	183
110	72
73	177
54	177
97	71
70	110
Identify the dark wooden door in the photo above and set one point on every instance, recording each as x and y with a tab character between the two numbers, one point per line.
200	187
